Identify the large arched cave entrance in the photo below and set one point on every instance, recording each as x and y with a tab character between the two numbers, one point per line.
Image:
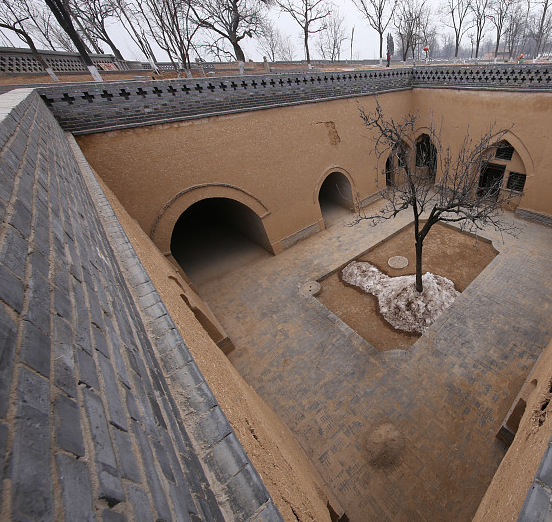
335	197
217	235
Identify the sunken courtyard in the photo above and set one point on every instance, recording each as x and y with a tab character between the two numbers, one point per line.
165	353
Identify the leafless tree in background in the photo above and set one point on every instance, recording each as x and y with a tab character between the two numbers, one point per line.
93	15
542	24
310	15
456	198
455	14
230	20
499	10
172	25
14	18
273	44
408	21
131	17
63	17
480	14
332	39
515	27
379	14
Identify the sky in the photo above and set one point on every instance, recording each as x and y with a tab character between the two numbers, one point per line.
365	39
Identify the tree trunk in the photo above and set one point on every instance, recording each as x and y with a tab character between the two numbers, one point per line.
240	57
34	50
307	53
419	246
64	19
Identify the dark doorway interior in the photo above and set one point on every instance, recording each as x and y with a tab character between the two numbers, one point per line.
335	198
491	180
215	236
426	157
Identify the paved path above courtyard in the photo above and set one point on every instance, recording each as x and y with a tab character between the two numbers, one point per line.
437	406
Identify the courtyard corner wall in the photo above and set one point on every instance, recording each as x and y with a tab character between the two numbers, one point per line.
88	424
273	161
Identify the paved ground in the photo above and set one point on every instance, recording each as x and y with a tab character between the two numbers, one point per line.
401	436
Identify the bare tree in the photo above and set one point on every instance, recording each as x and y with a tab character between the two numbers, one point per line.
131	17
455	15
172	25
93	15
63	17
499	10
390	44
514	33
480	12
310	15
274	45
458	197
543	24
407	20
13	18
231	20
331	40
379	14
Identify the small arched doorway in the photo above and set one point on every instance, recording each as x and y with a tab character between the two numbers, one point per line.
426	157
215	236
395	164
335	198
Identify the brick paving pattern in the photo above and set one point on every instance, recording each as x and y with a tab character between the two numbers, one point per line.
89	429
444	399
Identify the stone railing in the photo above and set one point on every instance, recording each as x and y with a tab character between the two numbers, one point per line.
504	77
93	107
20	61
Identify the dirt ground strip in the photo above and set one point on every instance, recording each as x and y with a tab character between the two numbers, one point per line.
448	252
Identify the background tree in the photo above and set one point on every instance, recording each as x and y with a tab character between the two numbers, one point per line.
173	27
274	45
514	32
455	15
456	198
131	17
407	21
390	44
230	20
63	17
379	14
14	18
310	15
498	11
542	24
480	13
94	14
332	39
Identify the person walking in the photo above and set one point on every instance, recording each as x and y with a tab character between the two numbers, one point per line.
388	58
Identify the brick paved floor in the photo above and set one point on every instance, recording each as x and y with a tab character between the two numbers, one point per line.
444	398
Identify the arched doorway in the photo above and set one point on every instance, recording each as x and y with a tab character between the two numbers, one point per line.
426	157
335	198
215	236
396	163
503	169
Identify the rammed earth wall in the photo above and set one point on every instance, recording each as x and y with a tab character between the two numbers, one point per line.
88	427
92	107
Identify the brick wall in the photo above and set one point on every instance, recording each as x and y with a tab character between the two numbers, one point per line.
93	107
88	427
